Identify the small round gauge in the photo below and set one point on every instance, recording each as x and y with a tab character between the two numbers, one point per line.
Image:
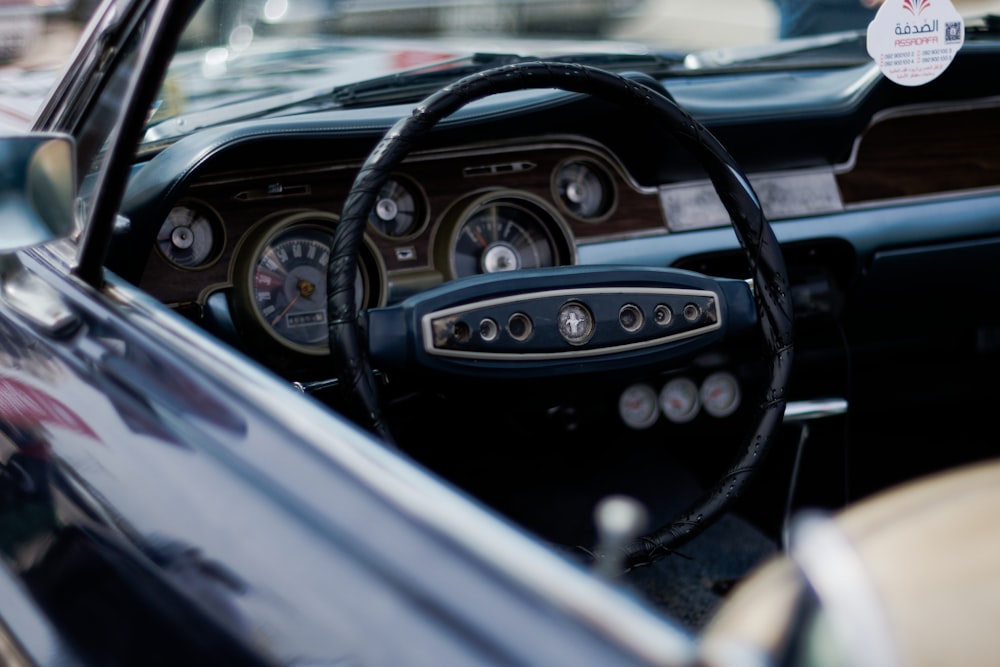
285	284
638	406
720	394
189	237
584	189
679	400
503	234
397	212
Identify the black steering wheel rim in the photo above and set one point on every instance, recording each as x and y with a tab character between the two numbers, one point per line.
755	235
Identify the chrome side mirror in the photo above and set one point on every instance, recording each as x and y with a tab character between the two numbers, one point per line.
37	195
37	190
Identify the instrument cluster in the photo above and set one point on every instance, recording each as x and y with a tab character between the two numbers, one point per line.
262	235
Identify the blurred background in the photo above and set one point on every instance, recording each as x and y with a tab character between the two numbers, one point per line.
38	34
35	33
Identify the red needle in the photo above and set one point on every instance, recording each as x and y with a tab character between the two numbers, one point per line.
291	303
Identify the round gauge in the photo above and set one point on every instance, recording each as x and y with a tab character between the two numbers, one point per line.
397	212
679	400
720	394
638	406
584	189
189	237
505	233
284	283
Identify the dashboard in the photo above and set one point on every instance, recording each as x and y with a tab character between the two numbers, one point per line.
229	227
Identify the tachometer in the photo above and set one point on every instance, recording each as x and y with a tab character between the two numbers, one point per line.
505	232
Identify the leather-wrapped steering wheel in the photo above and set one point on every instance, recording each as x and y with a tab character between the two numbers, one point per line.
427	331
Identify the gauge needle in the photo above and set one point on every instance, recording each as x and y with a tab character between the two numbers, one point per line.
495	223
306	290
291	303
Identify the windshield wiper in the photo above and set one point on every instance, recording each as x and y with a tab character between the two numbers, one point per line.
832	49
260	103
415	84
410	85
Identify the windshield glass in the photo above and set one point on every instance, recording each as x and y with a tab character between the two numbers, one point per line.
246	58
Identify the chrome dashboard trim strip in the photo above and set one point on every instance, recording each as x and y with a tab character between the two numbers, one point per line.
696	205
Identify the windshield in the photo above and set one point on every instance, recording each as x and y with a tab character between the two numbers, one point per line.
247	58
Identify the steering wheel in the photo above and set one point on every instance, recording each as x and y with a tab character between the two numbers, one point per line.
540	322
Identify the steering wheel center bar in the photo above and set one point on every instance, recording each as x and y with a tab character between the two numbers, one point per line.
565	321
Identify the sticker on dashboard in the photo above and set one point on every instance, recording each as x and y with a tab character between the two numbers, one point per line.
913	41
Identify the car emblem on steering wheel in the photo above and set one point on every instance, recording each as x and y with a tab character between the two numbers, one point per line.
576	324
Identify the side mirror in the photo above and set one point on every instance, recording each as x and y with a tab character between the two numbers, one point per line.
37	194
37	190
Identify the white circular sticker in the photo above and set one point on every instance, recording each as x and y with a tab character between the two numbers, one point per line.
913	41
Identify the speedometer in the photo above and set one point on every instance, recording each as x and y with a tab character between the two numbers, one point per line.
281	289
289	285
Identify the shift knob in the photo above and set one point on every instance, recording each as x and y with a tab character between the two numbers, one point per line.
618	520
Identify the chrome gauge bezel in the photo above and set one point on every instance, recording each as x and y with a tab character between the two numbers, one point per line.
204	228
599	175
258	250
538	220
